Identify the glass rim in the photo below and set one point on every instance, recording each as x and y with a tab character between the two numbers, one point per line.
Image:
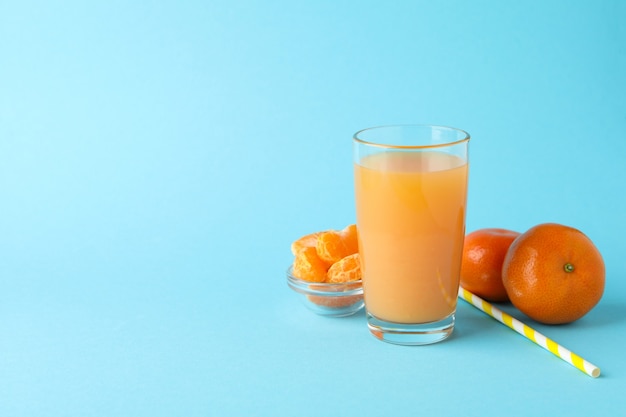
356	139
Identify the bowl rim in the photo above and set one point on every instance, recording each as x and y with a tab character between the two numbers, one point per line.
328	289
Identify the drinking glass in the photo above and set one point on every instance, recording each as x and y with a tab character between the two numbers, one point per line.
411	191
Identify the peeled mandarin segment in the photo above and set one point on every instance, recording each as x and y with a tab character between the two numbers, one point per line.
308	266
333	246
351	239
339	301
309	240
329	246
347	269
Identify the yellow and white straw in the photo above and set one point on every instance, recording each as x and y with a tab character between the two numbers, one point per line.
530	333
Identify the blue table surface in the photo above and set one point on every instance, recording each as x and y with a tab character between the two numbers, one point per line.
158	158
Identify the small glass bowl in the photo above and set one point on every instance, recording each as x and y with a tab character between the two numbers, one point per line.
326	299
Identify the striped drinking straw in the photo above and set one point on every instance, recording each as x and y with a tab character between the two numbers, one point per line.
530	333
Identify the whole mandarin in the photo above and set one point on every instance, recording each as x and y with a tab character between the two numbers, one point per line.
554	274
481	266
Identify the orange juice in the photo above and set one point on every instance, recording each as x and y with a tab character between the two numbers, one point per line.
411	219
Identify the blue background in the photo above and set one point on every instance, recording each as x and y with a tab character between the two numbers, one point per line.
157	158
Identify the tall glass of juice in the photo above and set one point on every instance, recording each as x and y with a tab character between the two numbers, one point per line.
411	192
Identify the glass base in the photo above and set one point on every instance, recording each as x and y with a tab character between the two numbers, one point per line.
411	334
